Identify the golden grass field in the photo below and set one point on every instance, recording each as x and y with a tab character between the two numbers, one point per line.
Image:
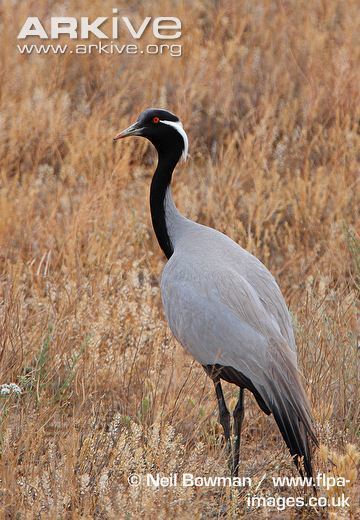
268	92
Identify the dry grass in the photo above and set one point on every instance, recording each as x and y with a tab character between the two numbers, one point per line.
269	94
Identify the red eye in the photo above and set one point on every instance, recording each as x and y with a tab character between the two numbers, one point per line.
156	119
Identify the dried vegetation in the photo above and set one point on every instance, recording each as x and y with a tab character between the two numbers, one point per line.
269	94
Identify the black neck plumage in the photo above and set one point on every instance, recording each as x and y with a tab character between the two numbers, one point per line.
159	186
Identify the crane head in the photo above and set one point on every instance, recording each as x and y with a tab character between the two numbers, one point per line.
162	128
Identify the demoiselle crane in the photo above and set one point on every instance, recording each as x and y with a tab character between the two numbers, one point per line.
224	306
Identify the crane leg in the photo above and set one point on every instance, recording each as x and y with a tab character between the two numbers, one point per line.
238	420
224	418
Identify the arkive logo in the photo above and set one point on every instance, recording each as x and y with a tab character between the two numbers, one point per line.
118	29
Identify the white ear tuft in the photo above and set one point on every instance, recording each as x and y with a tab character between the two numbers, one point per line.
179	127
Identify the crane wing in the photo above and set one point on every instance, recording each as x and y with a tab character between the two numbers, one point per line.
202	247
218	316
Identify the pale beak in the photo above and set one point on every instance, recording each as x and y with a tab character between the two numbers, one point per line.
134	129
